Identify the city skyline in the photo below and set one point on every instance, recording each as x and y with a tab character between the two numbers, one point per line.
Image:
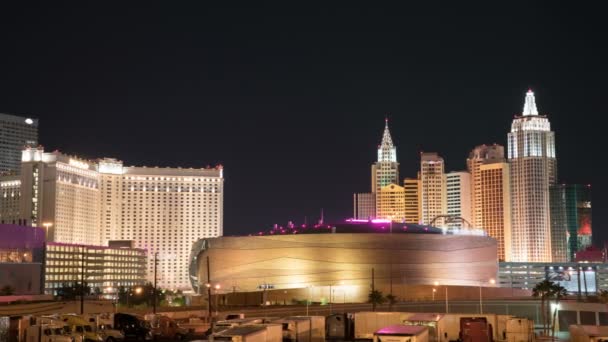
296	121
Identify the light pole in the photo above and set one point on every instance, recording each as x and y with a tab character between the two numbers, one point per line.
434	290
309	298
492	281
217	289
330	299
446	297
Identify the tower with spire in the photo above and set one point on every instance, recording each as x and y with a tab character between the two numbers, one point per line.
533	169
386	170
386	199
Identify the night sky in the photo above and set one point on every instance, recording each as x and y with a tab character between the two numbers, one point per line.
291	100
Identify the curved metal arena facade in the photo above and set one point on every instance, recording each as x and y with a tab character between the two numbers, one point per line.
409	254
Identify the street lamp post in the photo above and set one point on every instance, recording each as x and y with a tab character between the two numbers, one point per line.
330	299
434	290
446	297
492	281
309	298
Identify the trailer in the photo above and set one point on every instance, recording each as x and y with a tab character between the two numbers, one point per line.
366	323
402	333
250	333
434	322
588	333
317	326
295	329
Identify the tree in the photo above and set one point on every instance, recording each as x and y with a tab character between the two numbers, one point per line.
375	297
558	293
7	290
543	290
392	300
72	291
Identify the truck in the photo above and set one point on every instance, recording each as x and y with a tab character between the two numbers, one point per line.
132	327
340	327
165	327
80	329
475	329
103	325
53	332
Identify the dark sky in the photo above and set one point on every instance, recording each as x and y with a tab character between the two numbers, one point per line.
291	100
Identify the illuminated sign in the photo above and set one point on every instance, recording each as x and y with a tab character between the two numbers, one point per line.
79	164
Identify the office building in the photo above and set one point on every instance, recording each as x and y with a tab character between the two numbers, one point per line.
104	268
412	200
458	199
432	189
88	202
495	202
386	170
571	229
482	154
390	203
16	132
365	206
531	154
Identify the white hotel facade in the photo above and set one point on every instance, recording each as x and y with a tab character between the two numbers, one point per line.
89	202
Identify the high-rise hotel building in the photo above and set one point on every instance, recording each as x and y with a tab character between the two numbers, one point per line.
433	197
531	153
495	203
163	210
458	198
16	132
482	154
411	187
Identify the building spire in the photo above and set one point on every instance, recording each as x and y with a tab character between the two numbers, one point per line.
530	105
387	141
387	151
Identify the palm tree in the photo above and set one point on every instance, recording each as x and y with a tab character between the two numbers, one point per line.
392	300
543	290
376	298
558	293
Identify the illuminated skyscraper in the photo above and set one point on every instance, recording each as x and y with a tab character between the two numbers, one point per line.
531	154
365	206
432	188
495	203
390	203
458	197
571	229
384	172
412	200
17	132
482	154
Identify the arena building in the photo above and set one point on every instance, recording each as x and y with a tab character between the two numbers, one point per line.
345	255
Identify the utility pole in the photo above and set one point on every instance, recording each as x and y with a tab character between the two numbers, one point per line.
155	295
373	291
208	290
